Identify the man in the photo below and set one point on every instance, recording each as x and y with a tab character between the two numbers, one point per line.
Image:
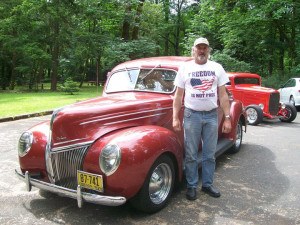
203	82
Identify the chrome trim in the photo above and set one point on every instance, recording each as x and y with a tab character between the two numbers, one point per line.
65	142
71	147
123	115
52	155
136	118
48	160
79	195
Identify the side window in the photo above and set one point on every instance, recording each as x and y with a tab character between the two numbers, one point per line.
290	83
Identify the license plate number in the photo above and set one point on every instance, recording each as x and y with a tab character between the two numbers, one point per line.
90	181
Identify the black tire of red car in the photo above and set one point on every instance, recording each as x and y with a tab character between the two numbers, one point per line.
239	138
255	114
291	113
157	187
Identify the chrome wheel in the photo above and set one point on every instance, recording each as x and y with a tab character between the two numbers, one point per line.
157	187
289	113
254	114
160	183
239	136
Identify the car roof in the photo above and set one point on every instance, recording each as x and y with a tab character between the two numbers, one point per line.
242	74
172	62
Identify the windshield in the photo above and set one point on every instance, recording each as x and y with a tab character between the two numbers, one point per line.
153	80
246	80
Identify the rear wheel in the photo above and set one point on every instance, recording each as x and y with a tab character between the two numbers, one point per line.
255	114
292	100
157	187
239	138
289	113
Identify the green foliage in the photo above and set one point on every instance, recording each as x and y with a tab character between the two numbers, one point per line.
52	40
229	63
274	81
69	86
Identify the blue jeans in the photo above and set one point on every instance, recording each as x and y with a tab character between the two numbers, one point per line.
199	125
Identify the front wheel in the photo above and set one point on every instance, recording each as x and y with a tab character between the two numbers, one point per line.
289	113
157	187
255	114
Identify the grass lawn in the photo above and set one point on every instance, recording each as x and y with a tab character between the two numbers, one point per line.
18	102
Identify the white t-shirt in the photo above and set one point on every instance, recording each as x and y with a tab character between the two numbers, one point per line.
201	84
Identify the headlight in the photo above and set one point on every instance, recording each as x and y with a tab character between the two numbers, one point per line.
109	159
25	143
261	106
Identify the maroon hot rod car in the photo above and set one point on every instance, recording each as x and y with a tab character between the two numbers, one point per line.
259	101
121	146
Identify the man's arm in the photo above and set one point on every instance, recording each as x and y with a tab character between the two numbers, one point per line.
176	108
224	102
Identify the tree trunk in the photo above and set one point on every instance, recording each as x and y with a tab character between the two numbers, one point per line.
281	55
167	16
13	72
293	36
126	23
84	73
55	57
135	29
98	71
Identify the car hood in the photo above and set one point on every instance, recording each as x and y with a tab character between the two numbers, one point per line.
89	120
256	88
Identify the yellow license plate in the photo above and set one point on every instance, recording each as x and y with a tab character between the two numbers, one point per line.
90	181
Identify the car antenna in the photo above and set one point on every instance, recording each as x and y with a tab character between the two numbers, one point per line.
158	65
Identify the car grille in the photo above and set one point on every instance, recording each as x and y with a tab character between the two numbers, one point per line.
274	104
65	165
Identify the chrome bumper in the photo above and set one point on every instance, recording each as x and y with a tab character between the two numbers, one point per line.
75	194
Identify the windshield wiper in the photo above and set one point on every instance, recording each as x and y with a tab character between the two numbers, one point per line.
128	72
158	65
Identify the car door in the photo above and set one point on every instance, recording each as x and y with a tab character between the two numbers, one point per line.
286	90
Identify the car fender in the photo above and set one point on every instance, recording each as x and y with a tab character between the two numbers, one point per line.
34	160
140	147
237	112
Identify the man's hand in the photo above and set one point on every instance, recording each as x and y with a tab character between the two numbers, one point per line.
226	126
176	124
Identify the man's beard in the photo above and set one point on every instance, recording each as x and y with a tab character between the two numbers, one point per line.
202	58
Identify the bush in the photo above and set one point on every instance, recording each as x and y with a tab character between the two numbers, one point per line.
229	63
273	81
69	86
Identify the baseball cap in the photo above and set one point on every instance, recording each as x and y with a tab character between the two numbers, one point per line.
201	41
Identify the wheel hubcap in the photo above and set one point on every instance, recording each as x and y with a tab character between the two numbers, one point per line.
287	112
251	115
160	183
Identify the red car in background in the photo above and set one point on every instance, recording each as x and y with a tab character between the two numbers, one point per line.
119	147
260	102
